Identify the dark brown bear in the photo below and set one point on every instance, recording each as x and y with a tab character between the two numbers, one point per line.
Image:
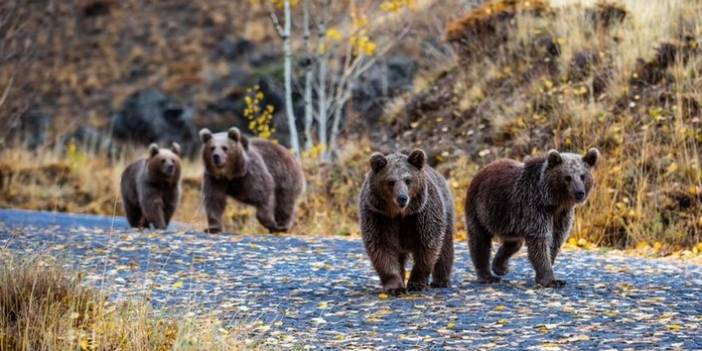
151	188
530	202
406	208
254	171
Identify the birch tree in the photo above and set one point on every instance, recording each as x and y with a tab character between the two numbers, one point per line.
285	34
334	64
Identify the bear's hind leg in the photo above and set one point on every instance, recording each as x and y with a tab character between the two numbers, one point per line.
265	214
480	245
284	209
500	264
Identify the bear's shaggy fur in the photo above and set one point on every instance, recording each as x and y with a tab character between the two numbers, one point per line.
254	171
530	202
151	188
406	208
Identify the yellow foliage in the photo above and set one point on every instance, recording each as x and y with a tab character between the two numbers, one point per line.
396	5
363	45
334	34
279	4
259	119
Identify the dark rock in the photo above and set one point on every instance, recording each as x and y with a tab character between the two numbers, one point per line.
656	70
582	64
606	15
387	79
232	50
266	57
31	129
96	8
149	116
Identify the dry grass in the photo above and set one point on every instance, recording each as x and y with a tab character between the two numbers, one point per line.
43	307
79	182
569	75
620	75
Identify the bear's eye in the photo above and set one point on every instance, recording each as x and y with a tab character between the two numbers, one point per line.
163	160
391	183
212	148
582	177
225	149
568	178
408	181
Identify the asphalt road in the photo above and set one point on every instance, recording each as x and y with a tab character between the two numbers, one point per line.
321	293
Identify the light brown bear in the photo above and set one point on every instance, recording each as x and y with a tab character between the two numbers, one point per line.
530	202
151	188
253	171
406	208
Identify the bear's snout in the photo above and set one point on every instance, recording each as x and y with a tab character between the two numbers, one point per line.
402	200
217	160
580	195
169	169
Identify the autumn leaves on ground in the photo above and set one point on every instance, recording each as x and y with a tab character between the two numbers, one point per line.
524	76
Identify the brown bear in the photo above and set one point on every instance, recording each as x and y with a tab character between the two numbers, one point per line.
256	172
530	202
406	208
151	188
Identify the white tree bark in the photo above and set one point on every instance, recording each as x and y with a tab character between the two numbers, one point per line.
322	107
287	48
308	77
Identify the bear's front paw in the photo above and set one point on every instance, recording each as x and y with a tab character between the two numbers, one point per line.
500	269
554	283
396	292
489	279
416	286
441	284
395	287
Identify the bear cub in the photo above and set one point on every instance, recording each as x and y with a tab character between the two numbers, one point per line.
151	188
254	171
531	202
406	208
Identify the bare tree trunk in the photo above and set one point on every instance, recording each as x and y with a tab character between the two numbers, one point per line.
308	78
336	124
287	48
322	92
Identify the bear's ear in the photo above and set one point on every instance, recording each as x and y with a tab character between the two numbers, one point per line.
591	157
175	147
554	158
153	150
234	134
417	158
205	135
244	141
377	161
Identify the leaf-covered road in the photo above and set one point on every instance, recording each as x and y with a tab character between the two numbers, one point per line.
322	292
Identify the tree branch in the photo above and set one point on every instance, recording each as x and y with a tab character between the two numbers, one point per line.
7	90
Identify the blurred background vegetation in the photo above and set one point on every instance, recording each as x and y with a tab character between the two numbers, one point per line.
85	85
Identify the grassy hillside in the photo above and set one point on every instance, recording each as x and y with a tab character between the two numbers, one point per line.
524	76
622	76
